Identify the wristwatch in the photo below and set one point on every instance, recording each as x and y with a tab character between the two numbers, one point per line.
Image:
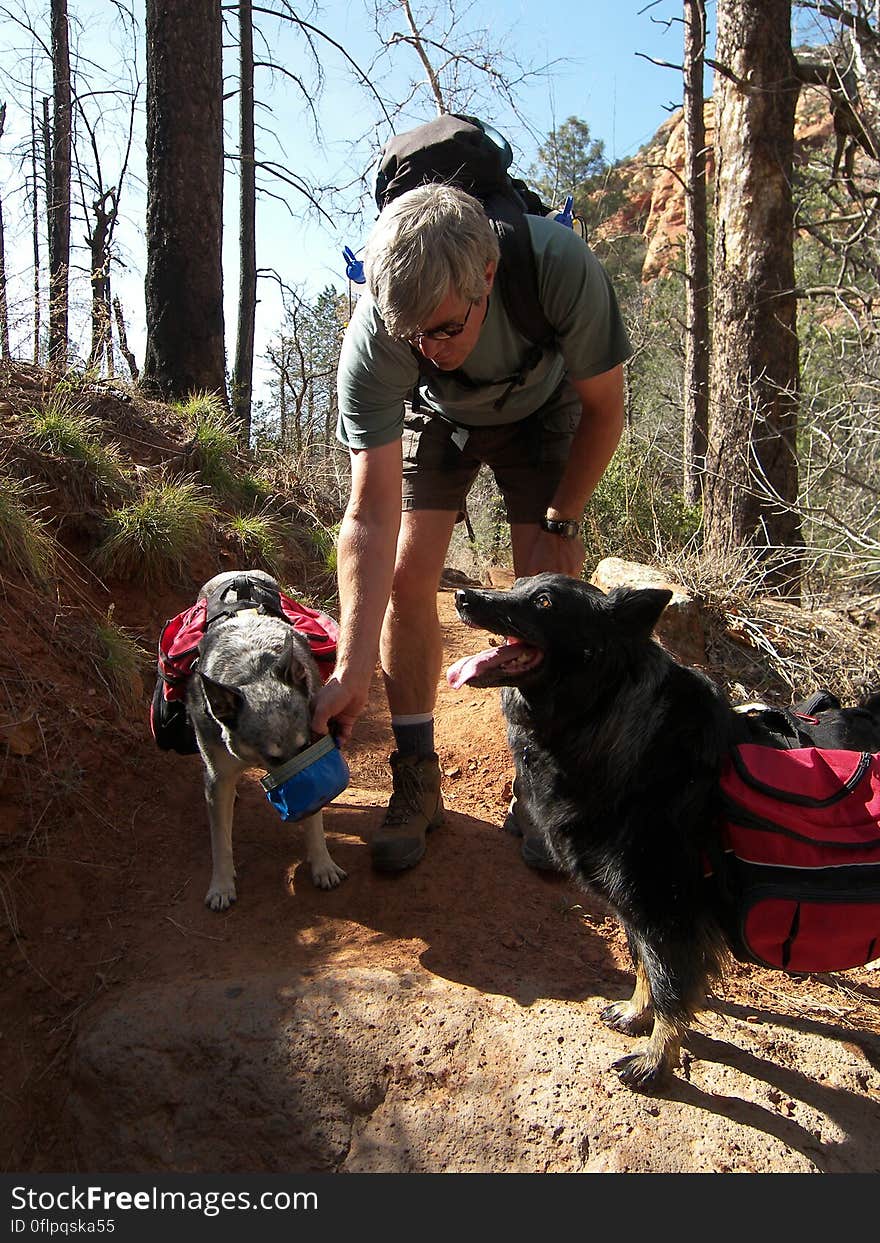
566	527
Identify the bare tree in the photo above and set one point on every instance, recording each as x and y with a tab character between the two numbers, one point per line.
858	99
242	375
752	473
696	361
59	183
4	307
35	225
122	334
463	66
251	163
184	282
101	216
304	356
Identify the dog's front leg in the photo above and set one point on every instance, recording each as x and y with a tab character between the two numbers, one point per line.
670	983
220	783
633	1017
325	873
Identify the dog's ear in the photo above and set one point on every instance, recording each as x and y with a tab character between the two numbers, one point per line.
224	702
289	669
638	609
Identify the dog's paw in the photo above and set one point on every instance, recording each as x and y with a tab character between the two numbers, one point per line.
641	1073
622	1016
220	897
327	874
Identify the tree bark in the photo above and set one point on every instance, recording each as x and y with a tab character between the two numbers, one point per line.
99	246
696	358
35	223
124	347
184	282
4	306
243	374
752	475
59	218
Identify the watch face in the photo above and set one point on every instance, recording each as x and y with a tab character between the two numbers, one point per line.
561	526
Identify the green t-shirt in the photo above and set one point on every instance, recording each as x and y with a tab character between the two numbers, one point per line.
377	372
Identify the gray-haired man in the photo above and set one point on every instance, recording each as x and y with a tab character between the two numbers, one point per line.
430	263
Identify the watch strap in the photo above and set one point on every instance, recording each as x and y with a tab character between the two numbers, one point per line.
568	528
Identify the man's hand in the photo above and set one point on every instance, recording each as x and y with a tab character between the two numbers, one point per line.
340	701
554	554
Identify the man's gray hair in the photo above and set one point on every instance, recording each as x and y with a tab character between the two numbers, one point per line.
430	242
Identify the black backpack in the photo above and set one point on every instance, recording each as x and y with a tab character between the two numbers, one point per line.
462	151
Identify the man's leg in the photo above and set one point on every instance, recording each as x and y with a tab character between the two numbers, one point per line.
519	821
411	645
528	466
411	649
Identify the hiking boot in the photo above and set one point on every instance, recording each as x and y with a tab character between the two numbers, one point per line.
535	851
415	808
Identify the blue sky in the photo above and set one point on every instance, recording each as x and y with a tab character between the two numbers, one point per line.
599	77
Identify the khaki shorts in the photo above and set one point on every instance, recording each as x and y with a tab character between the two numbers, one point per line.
441	460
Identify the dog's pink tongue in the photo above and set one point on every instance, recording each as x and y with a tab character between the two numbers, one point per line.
462	671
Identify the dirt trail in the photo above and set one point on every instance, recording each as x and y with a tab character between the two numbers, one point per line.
790	1068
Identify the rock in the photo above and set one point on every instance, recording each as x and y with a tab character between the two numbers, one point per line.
370	1070
680	628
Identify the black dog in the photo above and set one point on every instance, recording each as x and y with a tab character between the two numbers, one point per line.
619	750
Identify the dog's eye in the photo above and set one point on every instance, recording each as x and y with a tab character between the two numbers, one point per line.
543	601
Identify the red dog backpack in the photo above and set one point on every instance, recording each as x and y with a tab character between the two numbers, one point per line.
800	867
179	648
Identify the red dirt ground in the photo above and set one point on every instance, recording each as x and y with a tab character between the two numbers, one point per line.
105	854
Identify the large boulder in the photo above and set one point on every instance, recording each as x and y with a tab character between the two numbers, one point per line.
680	628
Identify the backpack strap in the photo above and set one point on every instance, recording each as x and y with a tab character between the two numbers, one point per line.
251	593
517	275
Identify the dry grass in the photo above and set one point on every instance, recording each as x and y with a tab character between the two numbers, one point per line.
761	645
26	545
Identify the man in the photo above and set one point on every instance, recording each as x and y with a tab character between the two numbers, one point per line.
431	330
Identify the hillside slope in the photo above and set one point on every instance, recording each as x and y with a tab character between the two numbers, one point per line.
444	1019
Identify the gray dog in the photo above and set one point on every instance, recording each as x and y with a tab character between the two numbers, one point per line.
250	703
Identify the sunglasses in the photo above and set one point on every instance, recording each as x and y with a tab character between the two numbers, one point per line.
443	333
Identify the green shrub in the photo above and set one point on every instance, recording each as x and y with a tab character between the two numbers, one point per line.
155	536
325	540
25	543
259	540
65	431
202	407
253	490
76	381
637	510
213	434
120	660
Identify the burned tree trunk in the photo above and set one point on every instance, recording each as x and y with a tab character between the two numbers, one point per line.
696	357
124	348
752	475
59	205
184	282
35	230
242	381
4	306
104	208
